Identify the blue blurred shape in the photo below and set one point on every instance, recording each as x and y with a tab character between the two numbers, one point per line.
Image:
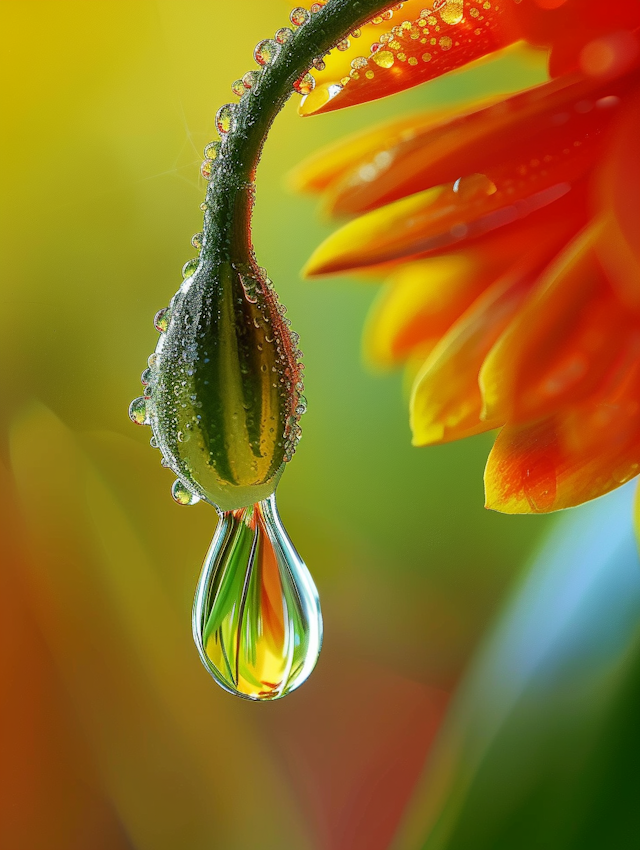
541	748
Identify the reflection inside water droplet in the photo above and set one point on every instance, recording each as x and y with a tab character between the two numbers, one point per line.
256	618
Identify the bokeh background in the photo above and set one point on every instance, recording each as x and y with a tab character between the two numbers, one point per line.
478	681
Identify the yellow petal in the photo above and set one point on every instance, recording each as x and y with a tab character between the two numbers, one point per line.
446	402
419	302
561	343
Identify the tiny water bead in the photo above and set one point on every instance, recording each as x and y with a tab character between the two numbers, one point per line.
266	51
305	84
189	267
138	411
224	117
161	320
237	87
256	618
299	16
212	150
196	240
182	495
283	35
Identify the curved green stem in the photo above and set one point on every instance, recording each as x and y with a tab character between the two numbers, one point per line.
230	194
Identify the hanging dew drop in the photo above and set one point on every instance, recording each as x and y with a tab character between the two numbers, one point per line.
256	618
237	87
182	495
138	411
196	240
147	376
161	320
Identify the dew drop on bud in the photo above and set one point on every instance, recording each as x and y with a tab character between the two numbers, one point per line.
138	411
206	169
189	267
256	619
161	320
182	495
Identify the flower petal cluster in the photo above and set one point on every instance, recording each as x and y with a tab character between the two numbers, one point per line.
508	234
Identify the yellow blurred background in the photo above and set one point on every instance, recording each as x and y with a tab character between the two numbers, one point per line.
112	734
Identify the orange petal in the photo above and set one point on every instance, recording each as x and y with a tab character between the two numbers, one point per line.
446	402
417	50
456	213
618	247
560	344
423	299
527	127
576	455
331	163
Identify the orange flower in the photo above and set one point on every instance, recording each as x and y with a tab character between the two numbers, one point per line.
509	235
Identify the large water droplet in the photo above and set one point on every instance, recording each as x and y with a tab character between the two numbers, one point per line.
256	618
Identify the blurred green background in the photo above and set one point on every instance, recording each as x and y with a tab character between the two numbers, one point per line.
113	735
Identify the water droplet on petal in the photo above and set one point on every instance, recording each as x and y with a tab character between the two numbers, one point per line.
299	16
383	58
161	319
224	117
182	495
138	411
256	619
452	12
266	51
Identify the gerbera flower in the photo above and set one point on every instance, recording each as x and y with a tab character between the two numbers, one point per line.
508	233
